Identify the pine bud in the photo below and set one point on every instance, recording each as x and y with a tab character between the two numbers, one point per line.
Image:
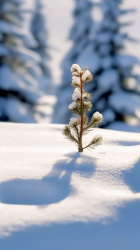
87	76
76	80
73	121
72	105
98	116
75	67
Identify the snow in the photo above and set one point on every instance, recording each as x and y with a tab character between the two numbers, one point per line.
121	126
75	67
118	39
72	105
20	71
73	121
39	29
87	104
126	103
85	59
97	115
109	78
53	197
107	62
25	54
76	95
126	61
108	115
3	50
96	53
104	37
104	49
85	75
76	79
44	109
58	37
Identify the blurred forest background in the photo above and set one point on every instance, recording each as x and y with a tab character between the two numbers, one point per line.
41	39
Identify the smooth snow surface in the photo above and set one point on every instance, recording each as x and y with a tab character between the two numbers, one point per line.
53	197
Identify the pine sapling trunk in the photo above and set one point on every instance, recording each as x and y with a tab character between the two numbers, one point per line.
80	147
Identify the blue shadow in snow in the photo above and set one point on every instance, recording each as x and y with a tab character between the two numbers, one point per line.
132	177
128	143
122	234
53	188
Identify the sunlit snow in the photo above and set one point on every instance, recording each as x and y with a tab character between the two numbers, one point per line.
45	181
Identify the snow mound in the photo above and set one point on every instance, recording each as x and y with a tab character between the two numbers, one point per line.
48	189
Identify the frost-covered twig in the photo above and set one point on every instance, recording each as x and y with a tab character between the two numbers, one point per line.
80	105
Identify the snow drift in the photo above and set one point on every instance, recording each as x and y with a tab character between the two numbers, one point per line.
53	197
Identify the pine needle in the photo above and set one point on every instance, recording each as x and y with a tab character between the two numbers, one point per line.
67	133
97	140
93	123
75	131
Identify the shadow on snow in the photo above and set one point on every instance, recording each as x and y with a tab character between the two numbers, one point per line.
53	188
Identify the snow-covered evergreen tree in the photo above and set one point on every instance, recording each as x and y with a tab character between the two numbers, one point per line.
39	30
19	65
115	87
80	36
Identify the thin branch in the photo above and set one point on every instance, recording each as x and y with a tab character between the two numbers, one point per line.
95	142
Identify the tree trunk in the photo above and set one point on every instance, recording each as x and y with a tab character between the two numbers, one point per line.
82	119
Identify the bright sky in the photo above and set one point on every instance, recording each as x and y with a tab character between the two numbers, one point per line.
60	21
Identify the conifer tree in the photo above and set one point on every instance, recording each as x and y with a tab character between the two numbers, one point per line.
80	105
40	32
19	65
115	87
79	34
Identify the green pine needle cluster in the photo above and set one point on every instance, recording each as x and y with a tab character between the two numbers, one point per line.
67	132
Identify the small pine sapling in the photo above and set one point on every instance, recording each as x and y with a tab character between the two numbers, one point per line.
80	105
